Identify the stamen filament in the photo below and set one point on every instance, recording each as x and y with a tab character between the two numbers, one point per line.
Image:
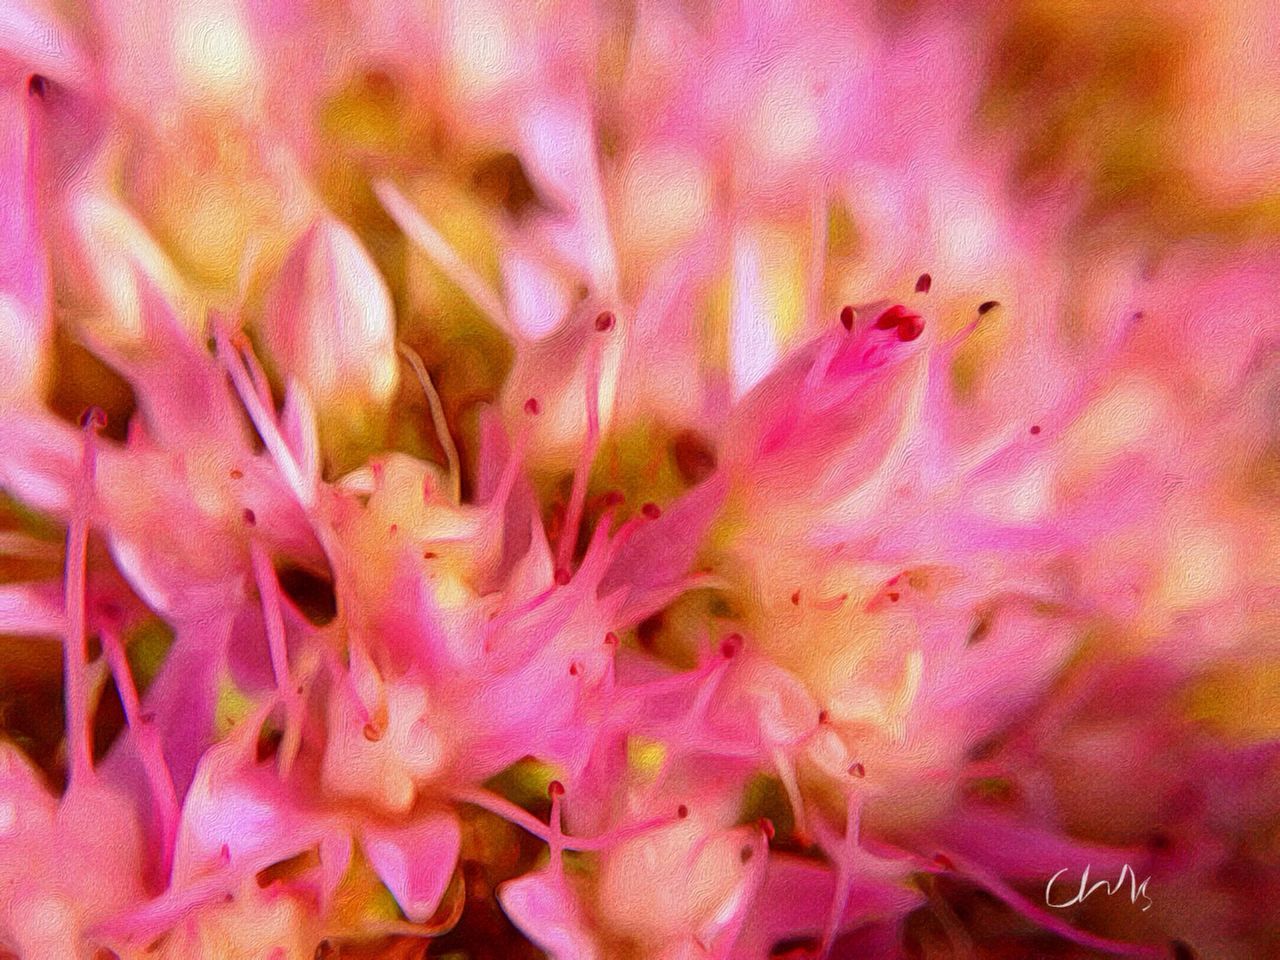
417	229
586	457
264	420
79	743
437	418
269	596
149	749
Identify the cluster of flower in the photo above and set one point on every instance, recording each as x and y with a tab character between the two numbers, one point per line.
503	516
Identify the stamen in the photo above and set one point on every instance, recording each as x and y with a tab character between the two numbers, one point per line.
582	472
910	328
149	749
555	790
848	316
504	808
417	229
79	743
844	874
437	418
256	374
263	420
924	283
269	596
987	305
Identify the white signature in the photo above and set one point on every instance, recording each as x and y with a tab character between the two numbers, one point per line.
1136	889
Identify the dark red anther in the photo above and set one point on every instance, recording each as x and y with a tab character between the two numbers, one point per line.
892	317
612	498
824	716
393	529
682	811
651	510
730	646
237	474
555	789
766	827
986	306
909	328
532	407
942	860
746	853
795	599
93	418
847	317
250	517
893	596
574	670
1035	430
37	85
924	283
857	770
605	321
224	853
611	639
429	554
563	576
372	732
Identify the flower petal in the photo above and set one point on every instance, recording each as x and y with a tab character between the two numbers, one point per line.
415	861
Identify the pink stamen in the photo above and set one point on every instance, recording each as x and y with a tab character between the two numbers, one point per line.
79	743
149	749
263	419
257	375
844	875
555	841
582	473
438	420
504	808
273	618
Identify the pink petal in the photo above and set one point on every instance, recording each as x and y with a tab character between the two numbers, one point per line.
548	912
415	861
